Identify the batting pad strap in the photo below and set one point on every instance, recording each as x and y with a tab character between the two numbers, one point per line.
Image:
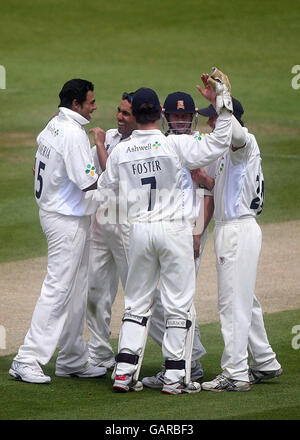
178	323
175	365
127	358
141	320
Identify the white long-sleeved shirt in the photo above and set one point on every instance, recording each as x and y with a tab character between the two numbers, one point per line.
239	182
147	169
64	166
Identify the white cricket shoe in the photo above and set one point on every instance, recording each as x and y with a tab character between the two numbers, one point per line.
256	376
88	372
31	373
125	383
179	388
157	381
223	383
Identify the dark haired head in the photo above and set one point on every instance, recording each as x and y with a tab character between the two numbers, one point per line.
128	96
145	106
74	89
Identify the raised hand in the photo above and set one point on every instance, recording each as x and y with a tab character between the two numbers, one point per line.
208	92
99	135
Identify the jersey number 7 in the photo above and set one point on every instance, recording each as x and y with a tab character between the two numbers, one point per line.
152	182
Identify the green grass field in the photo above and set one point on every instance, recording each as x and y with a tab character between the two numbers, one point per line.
120	46
123	45
94	399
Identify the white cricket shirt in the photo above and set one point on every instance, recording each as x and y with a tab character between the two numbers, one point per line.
239	182
64	166
147	170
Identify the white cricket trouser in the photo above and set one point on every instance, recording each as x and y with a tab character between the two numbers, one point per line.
158	251
237	248
108	263
158	324
59	314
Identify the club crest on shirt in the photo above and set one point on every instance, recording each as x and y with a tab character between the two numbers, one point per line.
180	105
199	136
54	131
90	170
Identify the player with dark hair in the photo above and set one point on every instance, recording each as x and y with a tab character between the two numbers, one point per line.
238	199
108	251
180	113
75	89
64	172
149	165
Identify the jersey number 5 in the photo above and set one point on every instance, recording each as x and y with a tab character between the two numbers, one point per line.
38	193
152	182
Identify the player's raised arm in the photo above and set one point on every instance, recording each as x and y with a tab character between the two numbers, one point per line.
102	154
196	153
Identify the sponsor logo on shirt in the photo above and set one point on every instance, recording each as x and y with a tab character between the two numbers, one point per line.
135	148
90	170
138	148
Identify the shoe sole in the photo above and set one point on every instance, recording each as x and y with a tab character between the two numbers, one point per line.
120	389
17	376
125	390
182	391
267	377
172	394
78	375
239	390
226	389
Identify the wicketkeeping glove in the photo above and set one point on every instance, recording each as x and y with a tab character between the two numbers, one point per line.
220	83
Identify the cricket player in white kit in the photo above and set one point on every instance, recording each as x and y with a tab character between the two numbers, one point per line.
109	248
180	113
64	171
109	243
161	243
238	198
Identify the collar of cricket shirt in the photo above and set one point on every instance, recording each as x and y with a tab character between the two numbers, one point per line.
146	132
70	114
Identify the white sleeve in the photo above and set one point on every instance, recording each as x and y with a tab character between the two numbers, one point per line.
79	160
110	177
238	134
195	153
96	159
241	154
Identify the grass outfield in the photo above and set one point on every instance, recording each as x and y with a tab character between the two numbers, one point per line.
120	46
94	399
123	45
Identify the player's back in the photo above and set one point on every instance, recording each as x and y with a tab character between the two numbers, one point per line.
239	182
150	174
